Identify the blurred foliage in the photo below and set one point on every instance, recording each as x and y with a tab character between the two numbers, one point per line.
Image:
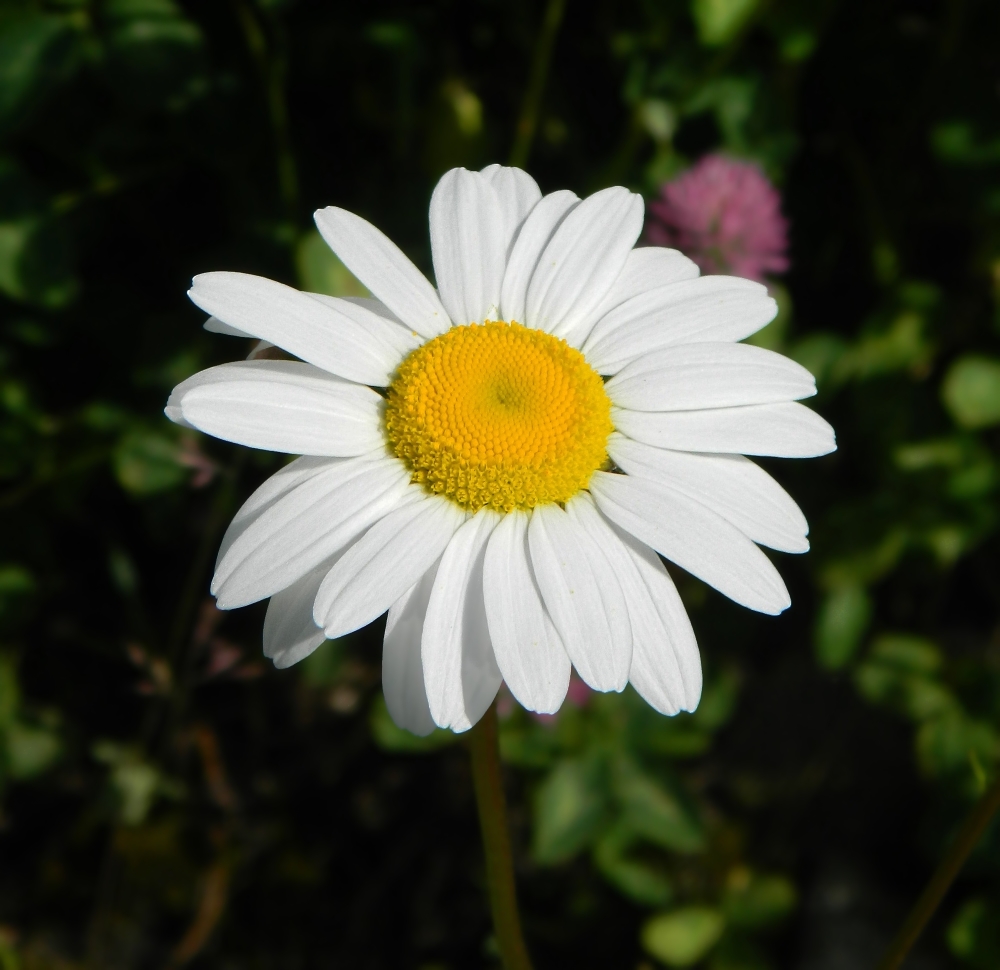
168	800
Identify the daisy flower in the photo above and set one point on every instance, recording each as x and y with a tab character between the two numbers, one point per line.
499	462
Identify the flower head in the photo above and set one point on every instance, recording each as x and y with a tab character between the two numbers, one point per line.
500	461
725	215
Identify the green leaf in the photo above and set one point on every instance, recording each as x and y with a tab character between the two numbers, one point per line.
798	45
30	749
841	623
971	391
320	271
570	807
658	118
901	672
156	55
15	580
37	51
751	900
146	462
731	100
683	937
719	21
974	933
956	142
635	877
908	653
36	262
902	346
867	565
954	742
819	354
653	811
135	782
936	453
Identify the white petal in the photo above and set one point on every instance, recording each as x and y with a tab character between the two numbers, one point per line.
582	596
646	268
693	536
740	491
582	260
281	405
666	667
652	673
402	671
385	562
518	193
305	526
372	318
711	308
381	265
290	634
279	484
779	430
460	671
527	647
340	337
711	375
468	246
534	236
215	325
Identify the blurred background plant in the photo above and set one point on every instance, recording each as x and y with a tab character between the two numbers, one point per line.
169	800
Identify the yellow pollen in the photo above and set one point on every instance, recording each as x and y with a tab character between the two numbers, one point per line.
499	416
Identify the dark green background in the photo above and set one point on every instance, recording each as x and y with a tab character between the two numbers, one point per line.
168	799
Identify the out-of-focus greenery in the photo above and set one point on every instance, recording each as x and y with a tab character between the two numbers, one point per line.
169	800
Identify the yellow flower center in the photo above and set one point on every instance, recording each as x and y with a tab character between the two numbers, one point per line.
499	415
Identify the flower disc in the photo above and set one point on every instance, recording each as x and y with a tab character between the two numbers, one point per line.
499	415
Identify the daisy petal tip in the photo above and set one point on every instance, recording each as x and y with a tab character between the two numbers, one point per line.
175	414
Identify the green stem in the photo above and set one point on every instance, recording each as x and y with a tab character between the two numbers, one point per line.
942	879
486	777
271	67
528	121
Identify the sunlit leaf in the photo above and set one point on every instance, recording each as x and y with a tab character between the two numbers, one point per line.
136	782
652	810
146	462
570	806
683	937
719	21
30	749
971	391
841	623
902	345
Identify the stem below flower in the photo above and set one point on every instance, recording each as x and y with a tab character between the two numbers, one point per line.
485	751
942	879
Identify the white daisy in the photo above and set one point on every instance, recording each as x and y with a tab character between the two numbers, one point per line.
499	461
